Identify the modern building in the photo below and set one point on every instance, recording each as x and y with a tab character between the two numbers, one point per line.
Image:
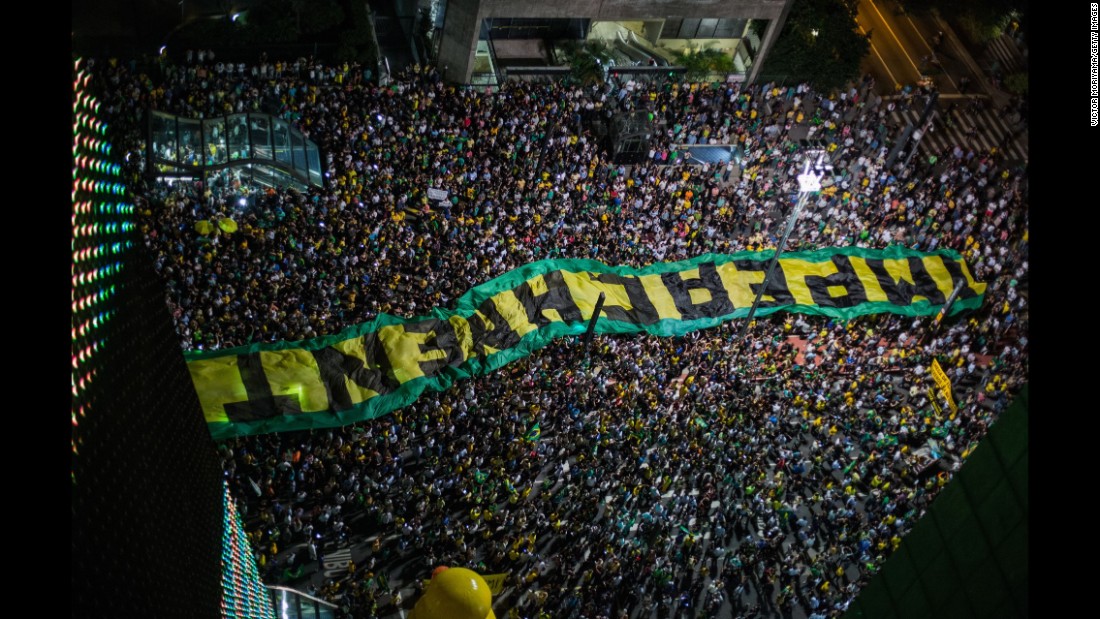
481	39
155	530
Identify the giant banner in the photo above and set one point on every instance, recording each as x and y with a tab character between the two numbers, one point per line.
371	369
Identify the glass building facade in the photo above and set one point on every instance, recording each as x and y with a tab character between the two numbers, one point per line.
257	149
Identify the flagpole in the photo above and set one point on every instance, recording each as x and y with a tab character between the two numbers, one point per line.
592	322
809	183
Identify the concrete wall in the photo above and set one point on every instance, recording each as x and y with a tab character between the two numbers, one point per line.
521	48
464	18
459	40
652	30
632	9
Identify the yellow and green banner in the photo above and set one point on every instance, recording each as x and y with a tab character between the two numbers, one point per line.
495	582
374	368
944	383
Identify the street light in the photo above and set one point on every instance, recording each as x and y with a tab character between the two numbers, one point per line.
815	167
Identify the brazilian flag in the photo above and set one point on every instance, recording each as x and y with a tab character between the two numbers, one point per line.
533	434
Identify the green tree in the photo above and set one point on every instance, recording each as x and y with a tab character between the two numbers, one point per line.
819	43
1017	83
209	32
588	61
704	62
361	33
272	22
979	20
317	16
287	21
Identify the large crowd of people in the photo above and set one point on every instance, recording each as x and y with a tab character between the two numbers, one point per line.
772	474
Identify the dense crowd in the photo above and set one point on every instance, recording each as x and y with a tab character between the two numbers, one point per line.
779	470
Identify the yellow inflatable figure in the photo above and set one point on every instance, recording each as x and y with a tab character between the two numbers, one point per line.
456	593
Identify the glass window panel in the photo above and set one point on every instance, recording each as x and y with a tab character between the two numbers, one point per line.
730	28
967	549
278	177
180	145
671	29
314	156
281	135
706	28
299	152
261	136
688	28
214	149
190	141
914	604
983	584
164	137
237	136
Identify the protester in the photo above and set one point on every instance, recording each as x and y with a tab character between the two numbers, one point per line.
707	471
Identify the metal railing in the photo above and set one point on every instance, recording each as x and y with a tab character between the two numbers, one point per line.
293	604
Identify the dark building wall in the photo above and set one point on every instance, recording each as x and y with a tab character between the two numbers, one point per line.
147	490
968	556
147	500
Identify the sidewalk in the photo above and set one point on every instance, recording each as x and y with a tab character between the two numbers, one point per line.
998	96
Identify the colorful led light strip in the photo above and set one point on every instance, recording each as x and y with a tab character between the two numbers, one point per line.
102	231
243	593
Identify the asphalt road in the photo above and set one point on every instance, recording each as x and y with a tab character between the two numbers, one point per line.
905	47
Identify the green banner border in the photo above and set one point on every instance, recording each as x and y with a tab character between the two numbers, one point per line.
466	304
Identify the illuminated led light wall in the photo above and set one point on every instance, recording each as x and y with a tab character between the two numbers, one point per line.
150	518
102	219
243	594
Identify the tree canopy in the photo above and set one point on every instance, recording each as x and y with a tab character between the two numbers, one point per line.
819	43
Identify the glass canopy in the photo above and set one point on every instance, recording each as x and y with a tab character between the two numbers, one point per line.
246	148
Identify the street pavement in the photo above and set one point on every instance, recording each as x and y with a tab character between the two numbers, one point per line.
970	129
1004	55
897	44
908	47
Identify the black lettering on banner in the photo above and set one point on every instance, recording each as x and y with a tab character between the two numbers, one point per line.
376	374
901	292
444	339
680	289
556	297
500	337
261	403
777	287
641	312
845	277
955	269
